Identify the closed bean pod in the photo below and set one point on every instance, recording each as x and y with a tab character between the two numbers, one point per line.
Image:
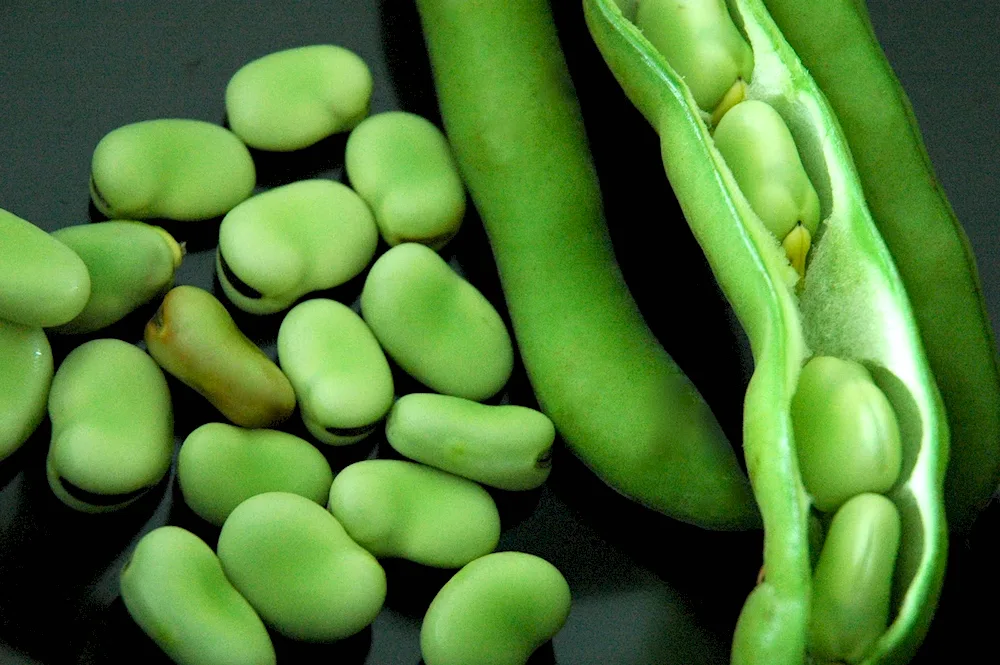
402	166
436	325
291	99
299	569
220	466
341	377
42	281
497	610
112	426
278	246
193	337
175	168
25	375
174	588
409	511
506	446
130	264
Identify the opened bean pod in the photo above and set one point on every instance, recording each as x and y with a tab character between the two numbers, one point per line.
842	402
278	246
410	511
25	376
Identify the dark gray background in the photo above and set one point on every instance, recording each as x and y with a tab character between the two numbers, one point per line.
647	591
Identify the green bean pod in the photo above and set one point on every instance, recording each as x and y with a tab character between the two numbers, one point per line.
130	264
193	337
112	426
496	610
614	395
220	466
836	42
299	569
42	281
25	376
173	586
506	446
278	246
175	168
851	304
291	99
410	511
402	166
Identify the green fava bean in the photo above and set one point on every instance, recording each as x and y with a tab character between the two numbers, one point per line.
402	166
25	375
193	337
278	246
497	610
42	281
340	375
437	326
112	426
846	433
299	569
405	510
852	583
220	466
130	263
507	446
180	169
700	41
291	99
173	586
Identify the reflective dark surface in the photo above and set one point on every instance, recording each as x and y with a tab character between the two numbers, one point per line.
647	590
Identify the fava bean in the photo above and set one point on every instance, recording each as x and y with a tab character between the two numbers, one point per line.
341	377
299	569
220	466
25	376
852	581
173	586
497	610
401	509
130	263
291	99
402	166
193	337
112	426
278	246
507	446
42	281
436	325
175	168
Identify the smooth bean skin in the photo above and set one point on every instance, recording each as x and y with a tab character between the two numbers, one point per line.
174	588
438	327
761	153
401	165
852	581
42	281
497	610
129	263
299	569
700	41
278	246
25	376
506	446
220	466
193	337
180	169
398	509
291	99
112	426
340	375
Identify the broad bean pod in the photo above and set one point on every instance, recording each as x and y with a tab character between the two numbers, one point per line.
851	304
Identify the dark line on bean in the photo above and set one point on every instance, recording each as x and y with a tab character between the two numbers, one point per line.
238	284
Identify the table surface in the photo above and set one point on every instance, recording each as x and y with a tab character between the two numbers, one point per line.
646	590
